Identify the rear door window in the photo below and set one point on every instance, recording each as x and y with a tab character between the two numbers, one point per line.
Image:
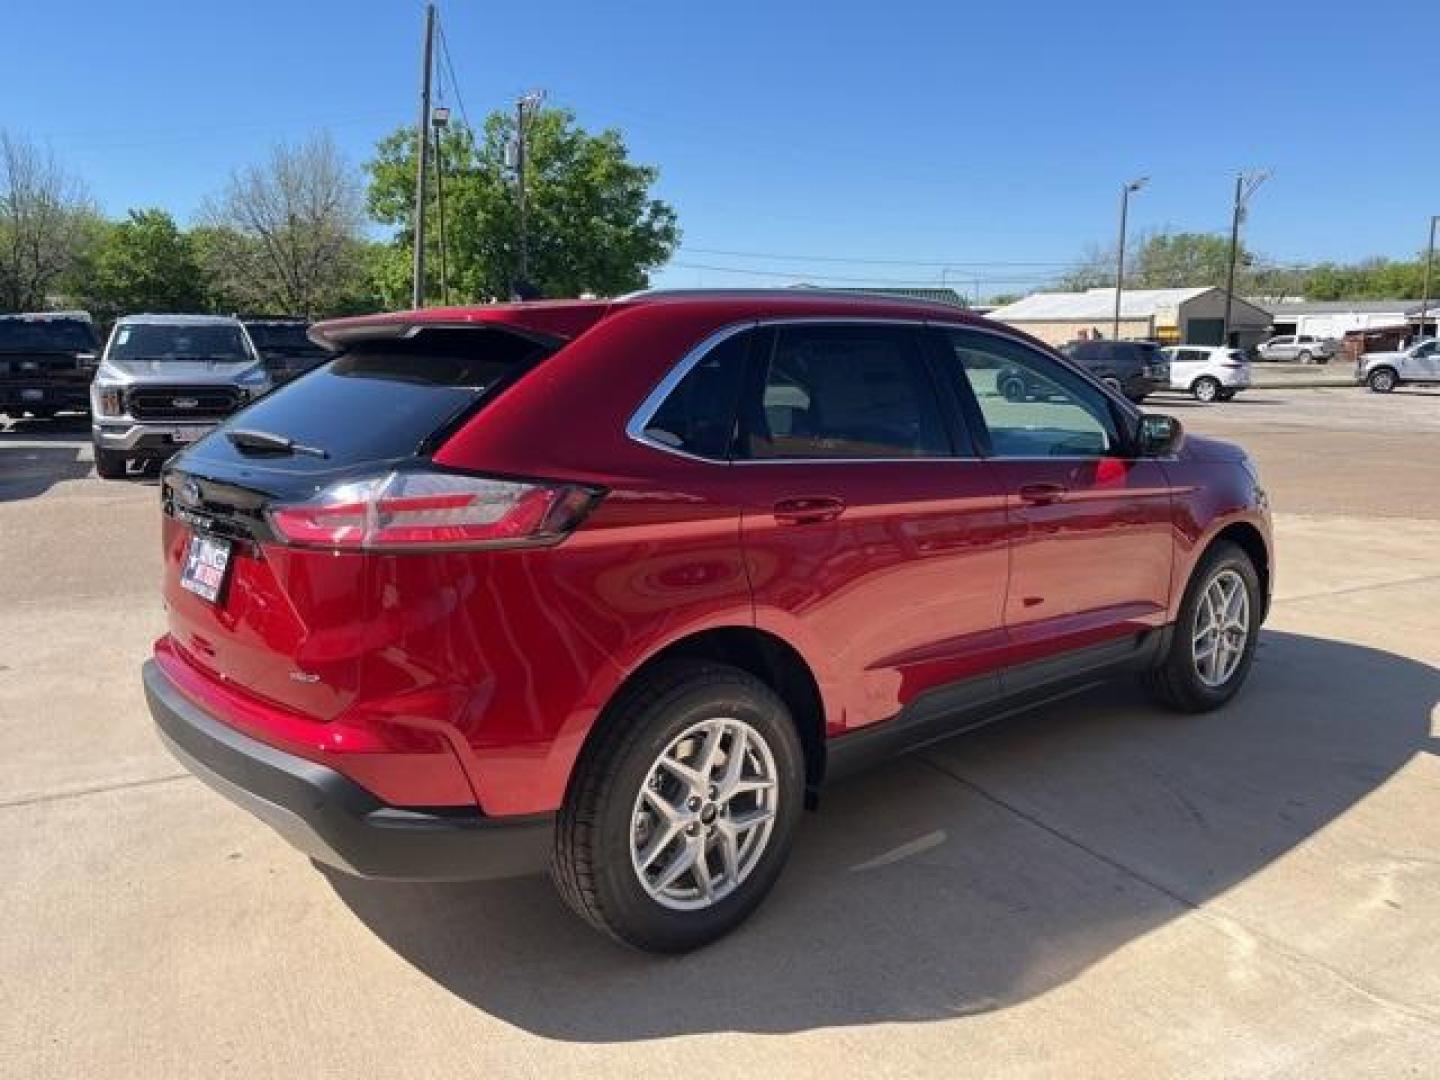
383	400
839	391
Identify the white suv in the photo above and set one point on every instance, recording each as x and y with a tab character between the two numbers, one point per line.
1383	371
1209	372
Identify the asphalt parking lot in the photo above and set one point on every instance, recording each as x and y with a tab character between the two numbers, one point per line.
1098	889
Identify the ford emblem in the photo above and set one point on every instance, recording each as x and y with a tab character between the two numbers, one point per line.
185	402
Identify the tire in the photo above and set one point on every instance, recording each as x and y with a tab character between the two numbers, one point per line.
600	831
109	464
1012	389
1382	380
1227	395
1304	357
1207	389
1177	681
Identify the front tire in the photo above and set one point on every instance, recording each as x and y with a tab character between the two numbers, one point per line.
1212	643
1382	380
1206	389
682	809
109	464
1304	356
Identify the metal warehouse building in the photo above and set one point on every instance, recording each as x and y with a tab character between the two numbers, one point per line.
1336	318
1171	316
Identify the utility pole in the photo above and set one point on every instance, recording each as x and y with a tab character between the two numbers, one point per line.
422	153
525	107
439	120
1425	292
1245	185
1133	185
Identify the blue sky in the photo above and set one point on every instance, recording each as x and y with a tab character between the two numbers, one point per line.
966	136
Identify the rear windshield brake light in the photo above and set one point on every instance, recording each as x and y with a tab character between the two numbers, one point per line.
419	510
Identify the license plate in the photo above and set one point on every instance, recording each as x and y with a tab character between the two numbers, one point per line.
190	434
207	558
32	395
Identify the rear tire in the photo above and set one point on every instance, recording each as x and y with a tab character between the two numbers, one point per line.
110	464
612	812
1206	389
1304	356
1201	671
1382	380
1012	389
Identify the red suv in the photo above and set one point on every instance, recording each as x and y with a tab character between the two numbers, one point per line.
626	582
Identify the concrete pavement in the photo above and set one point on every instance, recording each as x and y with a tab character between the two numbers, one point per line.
1098	889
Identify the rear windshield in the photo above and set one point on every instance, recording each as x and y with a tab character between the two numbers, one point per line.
178	341
60	335
384	400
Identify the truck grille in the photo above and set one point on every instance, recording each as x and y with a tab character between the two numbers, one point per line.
181	402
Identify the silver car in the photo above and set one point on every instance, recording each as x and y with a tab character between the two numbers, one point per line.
1302	348
166	381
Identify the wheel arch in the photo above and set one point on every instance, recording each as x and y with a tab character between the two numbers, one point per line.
1246	536
762	654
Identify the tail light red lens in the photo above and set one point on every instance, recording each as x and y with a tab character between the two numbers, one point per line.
430	510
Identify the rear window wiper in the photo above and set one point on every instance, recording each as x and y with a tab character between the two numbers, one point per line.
267	442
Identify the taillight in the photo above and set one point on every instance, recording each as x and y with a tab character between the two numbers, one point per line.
430	510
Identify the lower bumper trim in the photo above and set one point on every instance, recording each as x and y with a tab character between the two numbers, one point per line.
332	819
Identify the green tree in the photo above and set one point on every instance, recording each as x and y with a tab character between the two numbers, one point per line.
286	236
47	223
144	263
593	223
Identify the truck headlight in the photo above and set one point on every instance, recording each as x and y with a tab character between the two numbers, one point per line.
107	401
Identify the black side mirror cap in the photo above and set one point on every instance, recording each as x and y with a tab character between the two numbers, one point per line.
1159	435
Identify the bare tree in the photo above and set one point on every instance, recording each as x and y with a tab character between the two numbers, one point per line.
285	235
46	220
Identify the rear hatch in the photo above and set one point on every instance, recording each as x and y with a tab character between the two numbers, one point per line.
290	624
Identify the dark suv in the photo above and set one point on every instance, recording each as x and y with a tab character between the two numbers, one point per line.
47	360
285	346
1136	368
626	583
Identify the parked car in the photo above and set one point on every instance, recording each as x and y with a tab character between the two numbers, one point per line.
1384	371
1302	348
1136	368
781	535
47	360
1208	372
285	346
165	381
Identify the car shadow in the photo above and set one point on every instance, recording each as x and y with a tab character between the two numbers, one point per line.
975	875
35	455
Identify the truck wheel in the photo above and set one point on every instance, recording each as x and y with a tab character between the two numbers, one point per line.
1382	380
1013	389
682	807
1213	641
1304	356
109	464
1227	395
1206	388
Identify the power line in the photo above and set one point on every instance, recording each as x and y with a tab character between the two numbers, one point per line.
454	82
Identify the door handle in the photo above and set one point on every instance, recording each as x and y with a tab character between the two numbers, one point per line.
1042	494
808	511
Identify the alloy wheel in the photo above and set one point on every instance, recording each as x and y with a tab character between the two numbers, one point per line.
1222	628
704	814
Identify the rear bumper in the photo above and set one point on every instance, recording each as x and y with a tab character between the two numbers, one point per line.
334	820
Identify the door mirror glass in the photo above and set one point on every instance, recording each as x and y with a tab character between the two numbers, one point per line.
1159	435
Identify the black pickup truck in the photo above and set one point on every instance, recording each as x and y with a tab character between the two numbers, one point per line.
285	347
47	360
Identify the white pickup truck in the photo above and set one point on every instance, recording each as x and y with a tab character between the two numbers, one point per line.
1383	371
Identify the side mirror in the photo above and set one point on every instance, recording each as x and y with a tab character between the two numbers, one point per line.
1159	435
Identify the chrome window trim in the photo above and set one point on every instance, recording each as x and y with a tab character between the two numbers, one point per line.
645	412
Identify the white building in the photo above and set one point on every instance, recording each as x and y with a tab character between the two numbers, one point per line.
1335	318
1172	316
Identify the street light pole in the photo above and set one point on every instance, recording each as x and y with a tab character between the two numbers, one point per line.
1425	291
422	153
1133	185
439	120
